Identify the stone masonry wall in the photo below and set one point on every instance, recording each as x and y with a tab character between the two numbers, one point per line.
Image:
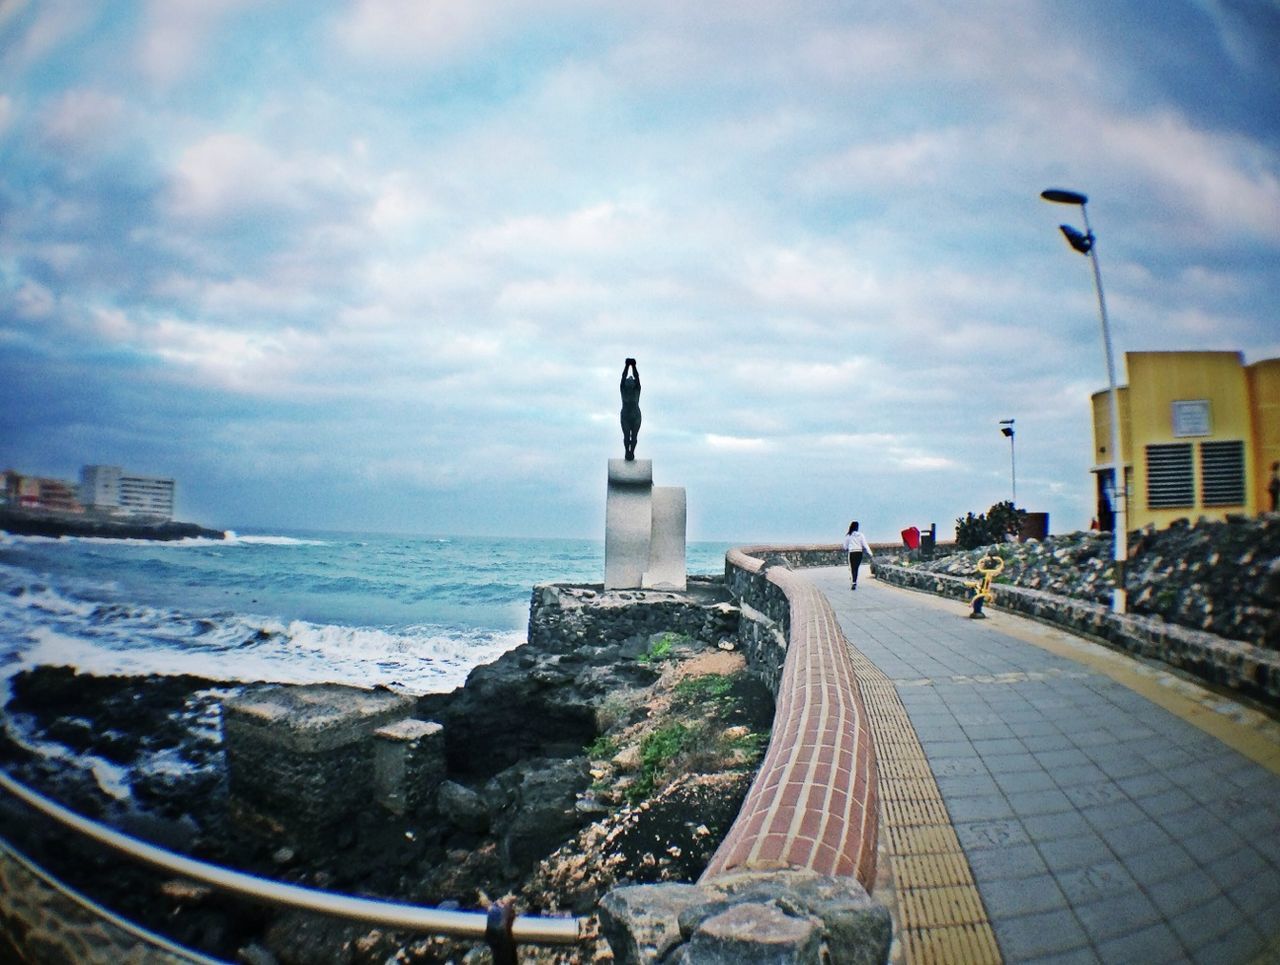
564	615
1253	671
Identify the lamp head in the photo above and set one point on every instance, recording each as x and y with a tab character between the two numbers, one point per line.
1081	242
1062	196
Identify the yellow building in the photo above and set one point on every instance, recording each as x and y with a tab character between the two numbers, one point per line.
1199	433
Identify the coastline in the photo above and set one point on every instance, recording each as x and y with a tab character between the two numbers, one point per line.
20	522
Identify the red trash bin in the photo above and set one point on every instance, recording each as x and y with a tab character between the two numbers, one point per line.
911	537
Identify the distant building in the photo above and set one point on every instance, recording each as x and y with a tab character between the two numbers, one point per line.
39	492
110	489
1199	432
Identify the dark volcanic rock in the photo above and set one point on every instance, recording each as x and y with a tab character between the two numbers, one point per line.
55	525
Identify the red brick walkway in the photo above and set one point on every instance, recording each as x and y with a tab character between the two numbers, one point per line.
813	805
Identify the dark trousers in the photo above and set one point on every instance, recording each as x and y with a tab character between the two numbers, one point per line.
855	561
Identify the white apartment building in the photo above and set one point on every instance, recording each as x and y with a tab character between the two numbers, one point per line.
110	488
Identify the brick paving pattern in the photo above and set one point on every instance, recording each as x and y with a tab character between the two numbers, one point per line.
1099	826
813	804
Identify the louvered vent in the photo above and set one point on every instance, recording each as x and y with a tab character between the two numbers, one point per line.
1170	482
1222	473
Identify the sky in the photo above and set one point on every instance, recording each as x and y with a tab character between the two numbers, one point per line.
376	265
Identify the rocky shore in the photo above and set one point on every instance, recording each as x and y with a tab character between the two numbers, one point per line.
21	522
614	747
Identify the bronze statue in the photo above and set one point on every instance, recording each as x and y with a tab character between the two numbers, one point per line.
630	388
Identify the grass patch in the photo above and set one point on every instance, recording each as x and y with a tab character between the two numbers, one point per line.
657	750
602	748
660	649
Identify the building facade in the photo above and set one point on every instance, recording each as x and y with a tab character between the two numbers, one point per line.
110	489
1199	433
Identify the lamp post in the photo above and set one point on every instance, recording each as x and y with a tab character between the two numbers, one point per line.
1006	427
1085	244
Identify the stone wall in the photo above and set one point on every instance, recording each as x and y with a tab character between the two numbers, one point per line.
1251	670
51	923
1222	577
790	880
564	616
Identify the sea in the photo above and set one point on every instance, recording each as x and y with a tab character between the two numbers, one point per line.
412	613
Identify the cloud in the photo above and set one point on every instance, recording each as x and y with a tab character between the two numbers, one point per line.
1227	180
175	33
405	31
84	118
720	443
229	175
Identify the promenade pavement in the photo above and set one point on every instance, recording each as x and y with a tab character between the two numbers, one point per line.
1102	819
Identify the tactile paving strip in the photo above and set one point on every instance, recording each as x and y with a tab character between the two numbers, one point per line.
939	913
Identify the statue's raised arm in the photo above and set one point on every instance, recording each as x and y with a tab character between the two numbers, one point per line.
630	389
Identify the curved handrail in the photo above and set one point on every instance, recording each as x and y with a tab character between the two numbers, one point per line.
546	931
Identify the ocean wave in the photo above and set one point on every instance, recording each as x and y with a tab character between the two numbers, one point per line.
234	539
109	639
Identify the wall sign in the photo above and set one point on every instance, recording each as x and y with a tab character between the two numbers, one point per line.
1192	418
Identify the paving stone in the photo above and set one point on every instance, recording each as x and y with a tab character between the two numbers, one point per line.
1143	839
1153	945
947	748
1011	897
1037	779
1039	935
1166	803
1142	786
1018	763
1042	743
967	785
1241	944
1054	761
1094	882
991	834
1182	892
1115	815
1031	803
984	808
1079	775
1237	867
1080	851
1211	841
1116	915
1049	827
1015	861
1206	923
998	745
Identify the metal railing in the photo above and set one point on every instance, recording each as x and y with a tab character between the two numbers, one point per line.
499	927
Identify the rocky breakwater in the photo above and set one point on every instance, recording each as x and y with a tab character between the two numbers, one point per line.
1203	597
20	522
613	748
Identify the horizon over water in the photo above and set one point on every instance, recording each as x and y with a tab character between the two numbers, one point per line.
414	613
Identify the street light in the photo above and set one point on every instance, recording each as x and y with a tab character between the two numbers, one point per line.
1006	427
1085	243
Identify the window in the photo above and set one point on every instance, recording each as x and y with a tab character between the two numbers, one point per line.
1170	482
1222	473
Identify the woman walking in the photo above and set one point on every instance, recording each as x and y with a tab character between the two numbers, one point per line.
855	544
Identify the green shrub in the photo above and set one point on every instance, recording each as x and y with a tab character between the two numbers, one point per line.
1000	521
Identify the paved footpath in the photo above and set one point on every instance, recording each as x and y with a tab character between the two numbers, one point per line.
1109	811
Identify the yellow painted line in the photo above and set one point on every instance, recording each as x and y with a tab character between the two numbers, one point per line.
937	910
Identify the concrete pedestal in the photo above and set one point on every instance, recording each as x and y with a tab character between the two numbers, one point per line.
644	541
628	520
667	569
